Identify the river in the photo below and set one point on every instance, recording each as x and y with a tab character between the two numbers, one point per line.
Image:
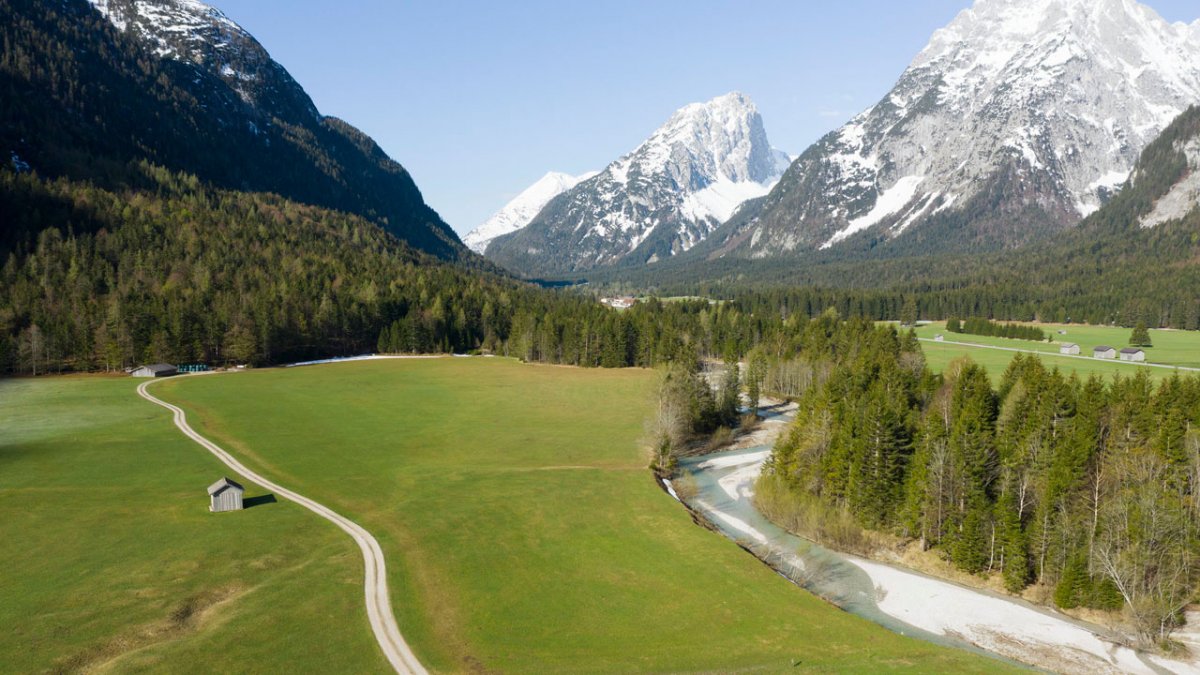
899	599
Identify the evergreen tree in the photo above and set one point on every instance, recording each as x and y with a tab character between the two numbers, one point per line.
908	315
730	397
1141	336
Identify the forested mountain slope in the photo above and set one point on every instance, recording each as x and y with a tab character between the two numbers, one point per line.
167	193
183	272
88	94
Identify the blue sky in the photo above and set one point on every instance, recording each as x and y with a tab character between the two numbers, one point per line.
479	99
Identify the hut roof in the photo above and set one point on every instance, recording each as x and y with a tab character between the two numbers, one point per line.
1131	350
222	484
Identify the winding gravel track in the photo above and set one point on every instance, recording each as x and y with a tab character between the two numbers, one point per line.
379	605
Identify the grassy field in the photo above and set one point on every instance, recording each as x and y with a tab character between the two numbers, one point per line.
1176	348
112	563
522	529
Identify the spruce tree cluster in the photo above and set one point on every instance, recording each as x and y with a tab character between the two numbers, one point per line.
1087	487
988	328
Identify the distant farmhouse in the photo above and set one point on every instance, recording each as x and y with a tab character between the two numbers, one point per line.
156	370
1133	354
225	495
1070	349
619	303
1103	352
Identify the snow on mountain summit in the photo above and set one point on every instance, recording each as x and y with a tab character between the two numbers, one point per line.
517	213
190	20
1038	107
194	32
663	198
723	138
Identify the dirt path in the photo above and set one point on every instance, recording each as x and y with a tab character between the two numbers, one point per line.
379	605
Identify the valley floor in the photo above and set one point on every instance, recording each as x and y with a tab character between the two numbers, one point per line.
113	563
522	529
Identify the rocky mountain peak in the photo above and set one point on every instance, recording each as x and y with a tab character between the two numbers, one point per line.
659	200
1039	108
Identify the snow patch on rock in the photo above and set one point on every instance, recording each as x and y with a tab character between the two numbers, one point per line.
720	199
889	203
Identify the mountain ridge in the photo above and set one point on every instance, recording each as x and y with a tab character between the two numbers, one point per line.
658	200
994	123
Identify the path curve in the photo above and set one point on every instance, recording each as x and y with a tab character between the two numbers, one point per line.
379	605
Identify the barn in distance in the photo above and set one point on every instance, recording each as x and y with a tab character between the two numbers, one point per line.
156	370
225	495
1133	354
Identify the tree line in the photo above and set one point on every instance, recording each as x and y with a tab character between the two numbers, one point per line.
989	328
188	273
1090	488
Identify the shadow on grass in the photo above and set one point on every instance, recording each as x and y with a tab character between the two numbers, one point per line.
251	502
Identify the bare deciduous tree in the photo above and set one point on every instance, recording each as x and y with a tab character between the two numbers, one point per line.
1143	544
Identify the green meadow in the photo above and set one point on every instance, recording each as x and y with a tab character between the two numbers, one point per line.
522	528
112	563
1171	347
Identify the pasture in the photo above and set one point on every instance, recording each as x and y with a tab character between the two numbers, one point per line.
1174	348
522	528
112	563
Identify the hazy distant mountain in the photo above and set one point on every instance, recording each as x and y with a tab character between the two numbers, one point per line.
522	209
1019	118
659	200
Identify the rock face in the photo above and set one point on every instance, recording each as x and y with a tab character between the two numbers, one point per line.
517	213
1018	119
1168	175
659	200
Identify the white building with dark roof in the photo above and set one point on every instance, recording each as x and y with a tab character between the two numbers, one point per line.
1133	354
155	370
225	495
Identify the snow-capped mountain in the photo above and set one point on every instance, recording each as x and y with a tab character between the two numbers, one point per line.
194	32
659	200
195	92
1019	118
522	209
